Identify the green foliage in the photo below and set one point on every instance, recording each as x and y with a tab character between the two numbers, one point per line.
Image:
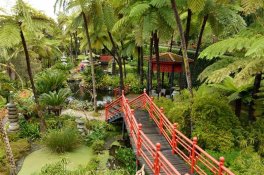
98	146
134	82
2	102
109	81
248	163
50	80
259	102
60	168
98	131
55	99
211	117
60	141
127	159
29	129
25	102
63	67
20	148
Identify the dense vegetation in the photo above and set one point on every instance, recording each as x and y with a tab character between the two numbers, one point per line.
221	93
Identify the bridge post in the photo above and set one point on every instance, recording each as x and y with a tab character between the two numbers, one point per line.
193	161
221	164
144	99
161	120
151	107
156	160
139	140
174	138
131	122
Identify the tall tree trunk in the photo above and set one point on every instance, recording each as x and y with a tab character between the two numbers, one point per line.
8	149
119	62
141	65
43	126
150	64
171	44
75	45
187	30
238	104
138	60
156	46
71	48
28	65
183	46
124	60
186	62
200	37
91	59
188	27
255	90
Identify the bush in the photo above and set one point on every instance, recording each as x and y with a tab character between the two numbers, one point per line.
28	129
60	168
98	131
127	159
64	140
50	80
133	81
98	146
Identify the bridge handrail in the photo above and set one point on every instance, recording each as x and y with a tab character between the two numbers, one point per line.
143	142
194	155
108	106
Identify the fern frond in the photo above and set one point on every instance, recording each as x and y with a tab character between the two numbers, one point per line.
196	5
9	35
139	9
160	3
251	6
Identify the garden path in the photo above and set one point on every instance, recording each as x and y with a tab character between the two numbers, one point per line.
85	114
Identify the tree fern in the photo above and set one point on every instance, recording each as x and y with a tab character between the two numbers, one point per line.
196	5
251	6
139	9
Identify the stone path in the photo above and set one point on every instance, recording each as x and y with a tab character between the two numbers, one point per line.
84	114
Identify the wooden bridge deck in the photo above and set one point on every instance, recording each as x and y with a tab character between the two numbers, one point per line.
152	132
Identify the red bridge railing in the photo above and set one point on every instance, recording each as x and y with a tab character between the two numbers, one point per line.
149	152
200	162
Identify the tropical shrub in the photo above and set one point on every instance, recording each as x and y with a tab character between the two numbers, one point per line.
50	80
213	121
98	146
60	168
60	141
248	162
63	67
55	100
2	101
28	129
127	159
133	81
25	102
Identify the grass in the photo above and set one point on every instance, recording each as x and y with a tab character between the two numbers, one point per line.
36	160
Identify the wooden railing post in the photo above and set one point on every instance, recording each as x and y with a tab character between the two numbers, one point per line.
156	160
161	121
174	138
221	164
193	161
151	107
139	140
131	123
144	99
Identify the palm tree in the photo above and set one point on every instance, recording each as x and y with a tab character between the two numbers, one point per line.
5	139
13	28
84	9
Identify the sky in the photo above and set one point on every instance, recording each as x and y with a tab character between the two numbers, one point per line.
44	5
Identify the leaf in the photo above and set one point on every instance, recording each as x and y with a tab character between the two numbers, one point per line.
139	10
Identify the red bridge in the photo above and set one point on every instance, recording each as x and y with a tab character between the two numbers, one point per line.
158	143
